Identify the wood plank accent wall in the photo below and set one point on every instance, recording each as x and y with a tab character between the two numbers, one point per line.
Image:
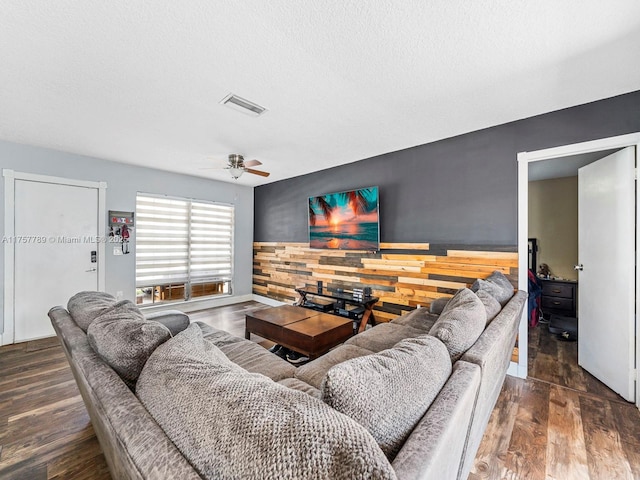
403	275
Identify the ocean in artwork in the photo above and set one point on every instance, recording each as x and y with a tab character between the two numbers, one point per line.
363	236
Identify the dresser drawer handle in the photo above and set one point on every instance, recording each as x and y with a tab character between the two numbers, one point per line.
556	291
556	303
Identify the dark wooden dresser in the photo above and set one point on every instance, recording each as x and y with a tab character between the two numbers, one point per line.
560	297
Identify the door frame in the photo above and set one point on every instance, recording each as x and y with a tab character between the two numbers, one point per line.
557	153
10	176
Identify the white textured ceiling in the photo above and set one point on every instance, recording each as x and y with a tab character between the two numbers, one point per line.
139	81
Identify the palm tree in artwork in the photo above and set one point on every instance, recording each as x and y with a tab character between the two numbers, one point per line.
324	206
357	200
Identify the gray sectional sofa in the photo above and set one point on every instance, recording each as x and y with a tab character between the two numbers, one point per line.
406	399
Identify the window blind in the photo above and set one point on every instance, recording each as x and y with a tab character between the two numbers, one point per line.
182	241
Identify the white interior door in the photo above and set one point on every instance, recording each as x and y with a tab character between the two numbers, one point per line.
606	244
56	231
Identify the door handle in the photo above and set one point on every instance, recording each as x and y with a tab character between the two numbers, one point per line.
578	267
92	270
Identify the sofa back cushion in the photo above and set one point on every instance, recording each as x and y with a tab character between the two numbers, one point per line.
420	318
460	323
230	423
84	307
389	392
438	305
491	305
497	285
124	339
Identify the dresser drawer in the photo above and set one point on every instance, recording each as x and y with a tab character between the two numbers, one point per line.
557	303
552	289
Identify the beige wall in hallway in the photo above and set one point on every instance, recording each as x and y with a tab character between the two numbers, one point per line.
553	220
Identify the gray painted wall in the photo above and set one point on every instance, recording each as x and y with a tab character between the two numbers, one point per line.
123	181
462	190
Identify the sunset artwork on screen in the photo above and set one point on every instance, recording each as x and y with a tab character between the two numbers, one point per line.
345	220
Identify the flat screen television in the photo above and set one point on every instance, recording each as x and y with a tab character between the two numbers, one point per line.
345	220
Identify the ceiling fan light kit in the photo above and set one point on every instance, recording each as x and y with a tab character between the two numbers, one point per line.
236	172
237	166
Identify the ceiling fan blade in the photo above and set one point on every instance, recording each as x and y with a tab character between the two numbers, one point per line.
257	172
215	164
252	163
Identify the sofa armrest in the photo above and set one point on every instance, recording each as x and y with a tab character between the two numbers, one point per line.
174	320
134	445
435	447
492	353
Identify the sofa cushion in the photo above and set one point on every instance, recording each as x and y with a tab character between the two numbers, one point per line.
491	305
500	279
230	423
247	354
217	336
438	305
257	359
420	318
389	392
497	285
314	372
383	336
297	384
491	288
84	307
124	339
461	322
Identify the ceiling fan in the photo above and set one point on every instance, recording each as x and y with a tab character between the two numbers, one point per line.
237	166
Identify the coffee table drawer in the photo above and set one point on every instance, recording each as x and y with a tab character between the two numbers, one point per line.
261	328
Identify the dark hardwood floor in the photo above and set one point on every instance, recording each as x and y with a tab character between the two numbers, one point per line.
229	318
538	430
45	432
554	360
560	423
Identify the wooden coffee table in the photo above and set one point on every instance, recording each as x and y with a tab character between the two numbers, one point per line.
300	329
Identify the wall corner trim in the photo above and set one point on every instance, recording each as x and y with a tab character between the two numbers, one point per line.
517	371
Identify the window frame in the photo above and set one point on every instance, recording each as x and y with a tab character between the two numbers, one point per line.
189	282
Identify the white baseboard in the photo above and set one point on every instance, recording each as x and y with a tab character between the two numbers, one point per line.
516	370
267	300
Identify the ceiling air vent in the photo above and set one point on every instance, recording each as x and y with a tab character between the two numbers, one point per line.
242	105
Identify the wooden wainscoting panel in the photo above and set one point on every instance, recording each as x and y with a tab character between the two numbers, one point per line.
403	275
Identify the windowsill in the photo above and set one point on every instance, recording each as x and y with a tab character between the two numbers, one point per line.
197	303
